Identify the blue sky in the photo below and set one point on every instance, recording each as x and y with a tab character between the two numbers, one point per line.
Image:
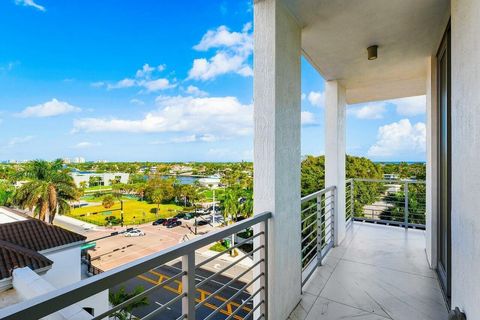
159	81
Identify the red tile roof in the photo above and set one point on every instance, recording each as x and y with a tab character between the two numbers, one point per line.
13	256
37	235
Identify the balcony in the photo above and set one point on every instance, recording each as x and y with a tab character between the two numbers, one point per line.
378	272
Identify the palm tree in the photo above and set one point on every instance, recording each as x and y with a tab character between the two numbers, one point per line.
231	205
49	190
157	198
121	296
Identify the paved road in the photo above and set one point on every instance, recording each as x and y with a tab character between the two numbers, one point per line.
164	294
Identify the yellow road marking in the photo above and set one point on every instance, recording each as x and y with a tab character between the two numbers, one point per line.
203	294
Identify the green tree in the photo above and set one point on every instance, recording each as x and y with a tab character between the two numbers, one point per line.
108	201
121	296
6	193
48	191
157	198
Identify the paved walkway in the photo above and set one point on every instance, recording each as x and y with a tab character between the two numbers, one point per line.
378	273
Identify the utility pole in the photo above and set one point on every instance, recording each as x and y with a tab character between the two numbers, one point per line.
213	211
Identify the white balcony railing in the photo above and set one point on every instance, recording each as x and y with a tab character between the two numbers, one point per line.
252	293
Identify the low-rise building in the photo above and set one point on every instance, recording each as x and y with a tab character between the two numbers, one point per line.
92	179
36	258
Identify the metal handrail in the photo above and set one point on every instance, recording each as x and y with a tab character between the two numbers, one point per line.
319	231
384	214
59	299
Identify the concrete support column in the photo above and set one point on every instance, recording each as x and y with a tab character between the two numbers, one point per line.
335	118
277	149
431	181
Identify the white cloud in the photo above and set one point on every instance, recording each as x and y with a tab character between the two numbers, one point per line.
190	138
137	102
399	138
86	144
411	106
143	78
369	111
147	70
233	51
30	3
156	85
316	98
48	109
19	140
223	37
308	118
125	83
224	116
195	91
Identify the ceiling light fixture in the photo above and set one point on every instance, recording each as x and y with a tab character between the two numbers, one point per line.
372	52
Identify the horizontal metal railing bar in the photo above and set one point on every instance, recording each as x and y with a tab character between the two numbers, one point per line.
201	283
311	224
312	206
234	296
210	296
164	306
392	222
388	181
309	244
204	262
53	301
325	213
244	303
183	316
314	214
308	254
317	193
308	235
262	316
138	296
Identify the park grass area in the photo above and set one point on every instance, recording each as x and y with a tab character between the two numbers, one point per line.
134	212
208	194
97	188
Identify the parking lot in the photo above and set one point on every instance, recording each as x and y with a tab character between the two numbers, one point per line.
117	250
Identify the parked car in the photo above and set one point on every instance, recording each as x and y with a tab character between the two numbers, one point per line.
188	216
169	220
158	222
181	215
201	222
174	224
134	233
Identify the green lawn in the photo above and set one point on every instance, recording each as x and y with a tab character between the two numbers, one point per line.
208	194
96	188
135	212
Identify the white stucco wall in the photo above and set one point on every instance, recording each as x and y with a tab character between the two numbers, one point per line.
29	285
466	156
66	268
277	149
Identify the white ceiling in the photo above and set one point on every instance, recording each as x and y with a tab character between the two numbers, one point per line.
336	34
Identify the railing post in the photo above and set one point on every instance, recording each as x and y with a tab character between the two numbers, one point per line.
352	199
405	216
319	228
188	285
262	297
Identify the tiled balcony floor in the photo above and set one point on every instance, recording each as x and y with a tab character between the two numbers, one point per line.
378	273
